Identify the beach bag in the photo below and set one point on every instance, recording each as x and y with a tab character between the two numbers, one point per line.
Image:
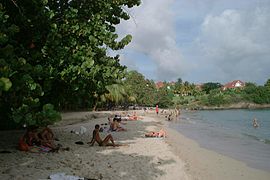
23	146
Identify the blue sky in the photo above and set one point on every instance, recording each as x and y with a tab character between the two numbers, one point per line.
199	40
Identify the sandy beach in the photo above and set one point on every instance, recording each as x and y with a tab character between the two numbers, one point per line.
173	157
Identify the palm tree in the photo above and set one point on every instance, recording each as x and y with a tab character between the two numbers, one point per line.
116	94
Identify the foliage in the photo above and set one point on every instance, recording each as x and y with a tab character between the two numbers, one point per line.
141	89
207	87
165	97
55	52
257	94
267	84
24	115
216	99
116	95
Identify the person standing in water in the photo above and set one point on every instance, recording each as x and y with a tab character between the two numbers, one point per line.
255	123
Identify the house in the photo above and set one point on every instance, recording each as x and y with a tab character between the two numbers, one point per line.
162	84
233	85
159	84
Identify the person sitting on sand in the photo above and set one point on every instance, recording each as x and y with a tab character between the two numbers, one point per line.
31	136
115	126
255	123
96	138
30	141
160	133
47	137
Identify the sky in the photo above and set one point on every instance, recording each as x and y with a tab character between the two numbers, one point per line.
199	40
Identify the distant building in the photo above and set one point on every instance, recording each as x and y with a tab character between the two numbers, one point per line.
233	85
159	84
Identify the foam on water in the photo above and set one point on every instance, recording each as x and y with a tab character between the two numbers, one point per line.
230	132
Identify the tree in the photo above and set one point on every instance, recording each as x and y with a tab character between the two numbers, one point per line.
115	95
179	81
164	97
207	87
257	94
55	52
267	84
142	89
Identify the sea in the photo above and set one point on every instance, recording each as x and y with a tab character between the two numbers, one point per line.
231	133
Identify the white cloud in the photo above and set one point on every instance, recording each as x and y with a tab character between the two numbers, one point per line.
238	43
220	40
154	35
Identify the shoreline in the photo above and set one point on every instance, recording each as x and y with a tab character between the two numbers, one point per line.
205	164
170	158
232	106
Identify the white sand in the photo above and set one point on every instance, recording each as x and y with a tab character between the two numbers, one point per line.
143	158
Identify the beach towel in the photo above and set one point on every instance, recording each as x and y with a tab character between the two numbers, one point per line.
83	130
63	176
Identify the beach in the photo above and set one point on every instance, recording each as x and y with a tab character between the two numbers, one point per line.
173	157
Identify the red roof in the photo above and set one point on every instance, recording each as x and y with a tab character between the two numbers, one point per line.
233	84
159	84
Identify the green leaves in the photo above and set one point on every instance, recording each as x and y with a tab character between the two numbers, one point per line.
55	55
5	84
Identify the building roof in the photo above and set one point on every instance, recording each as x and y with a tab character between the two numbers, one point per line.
234	84
159	84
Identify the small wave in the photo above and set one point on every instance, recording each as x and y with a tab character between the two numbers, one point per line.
251	136
266	141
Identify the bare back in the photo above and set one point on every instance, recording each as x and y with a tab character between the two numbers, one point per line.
97	137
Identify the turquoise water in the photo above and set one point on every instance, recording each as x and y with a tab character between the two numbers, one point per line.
230	132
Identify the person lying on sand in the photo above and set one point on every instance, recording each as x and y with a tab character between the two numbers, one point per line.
132	117
96	138
160	133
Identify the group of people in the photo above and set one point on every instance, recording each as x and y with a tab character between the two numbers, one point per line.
42	140
35	140
115	126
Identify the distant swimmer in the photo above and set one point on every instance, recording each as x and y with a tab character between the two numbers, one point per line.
255	123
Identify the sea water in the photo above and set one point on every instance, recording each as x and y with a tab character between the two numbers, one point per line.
231	133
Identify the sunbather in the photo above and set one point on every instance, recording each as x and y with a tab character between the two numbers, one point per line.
96	138
160	133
